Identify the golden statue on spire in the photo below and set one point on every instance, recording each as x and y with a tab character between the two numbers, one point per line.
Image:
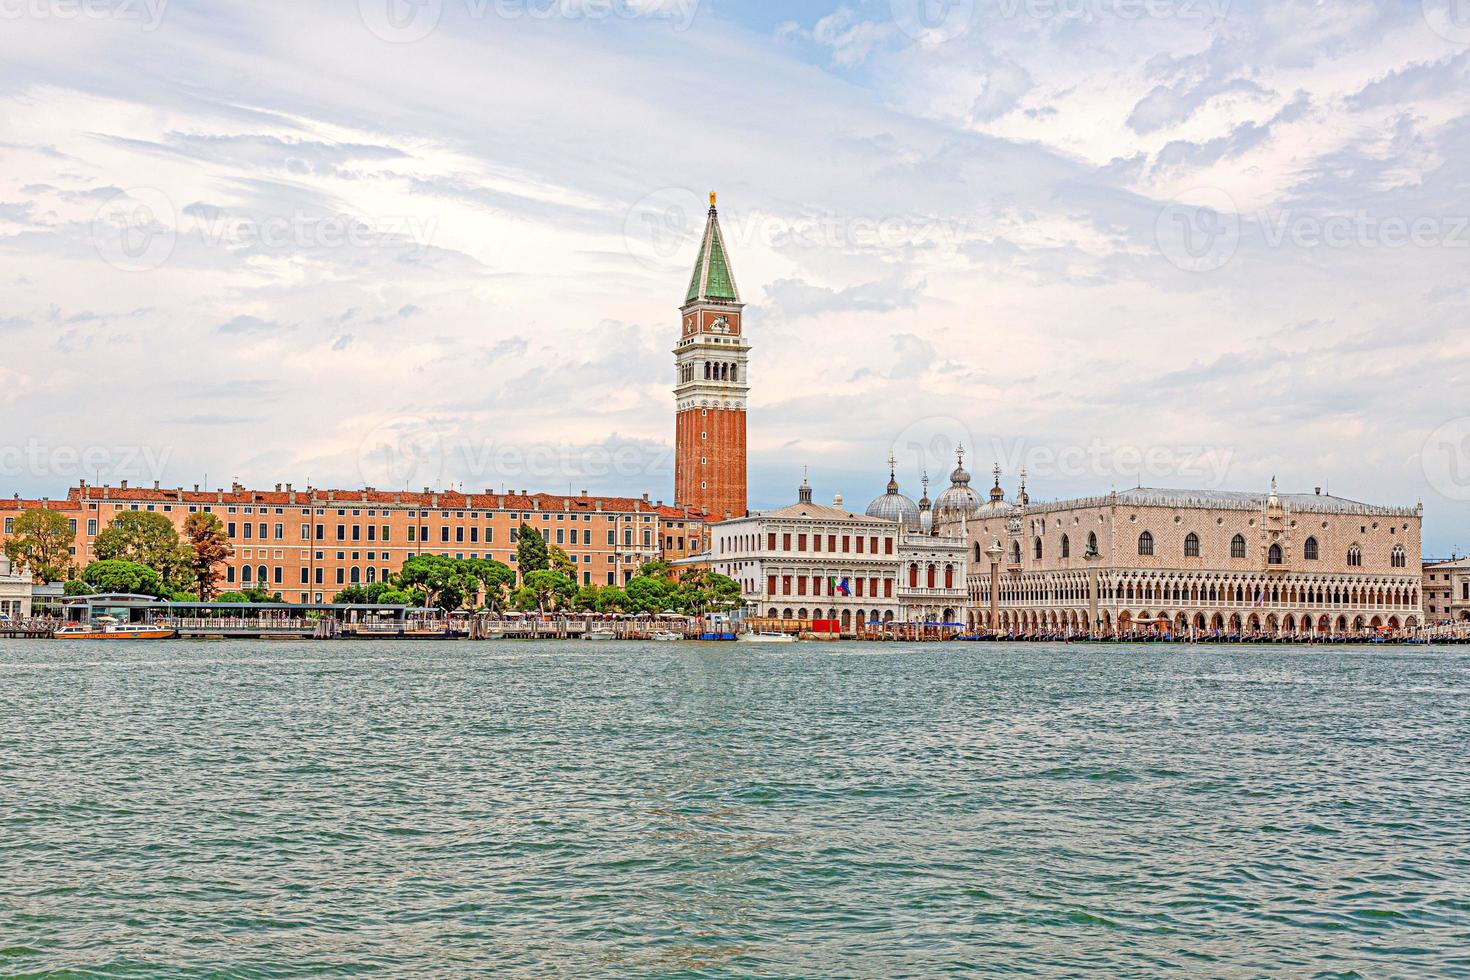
712	198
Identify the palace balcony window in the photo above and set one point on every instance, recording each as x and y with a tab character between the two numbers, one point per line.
1309	550
1400	558
1274	555
1191	545
1237	546
1355	557
1066	548
1146	544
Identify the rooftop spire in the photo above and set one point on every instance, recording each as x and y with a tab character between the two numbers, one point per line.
804	495
712	279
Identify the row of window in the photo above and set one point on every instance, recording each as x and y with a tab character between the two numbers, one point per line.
1275	555
835	586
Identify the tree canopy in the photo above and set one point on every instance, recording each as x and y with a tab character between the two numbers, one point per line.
208	546
130	577
147	538
532	552
41	541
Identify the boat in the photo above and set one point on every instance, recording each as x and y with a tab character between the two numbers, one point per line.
767	638
664	636
599	635
108	628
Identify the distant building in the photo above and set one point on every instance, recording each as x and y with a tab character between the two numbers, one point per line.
1447	591
812	561
311	544
15	591
1207	560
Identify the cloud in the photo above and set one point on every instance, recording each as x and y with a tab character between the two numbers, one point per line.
794	298
247	325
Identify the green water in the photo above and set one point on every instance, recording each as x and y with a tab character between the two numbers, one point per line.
280	809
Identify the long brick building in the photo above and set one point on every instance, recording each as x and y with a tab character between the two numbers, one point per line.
310	544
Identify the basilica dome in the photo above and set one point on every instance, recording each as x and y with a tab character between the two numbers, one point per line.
894	506
958	502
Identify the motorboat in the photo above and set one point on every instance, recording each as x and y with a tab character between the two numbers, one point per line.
664	636
108	628
599	635
767	638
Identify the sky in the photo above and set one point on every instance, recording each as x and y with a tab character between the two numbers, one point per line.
408	243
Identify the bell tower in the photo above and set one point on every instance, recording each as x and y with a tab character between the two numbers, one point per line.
711	385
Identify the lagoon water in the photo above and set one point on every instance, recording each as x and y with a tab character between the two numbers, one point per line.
282	809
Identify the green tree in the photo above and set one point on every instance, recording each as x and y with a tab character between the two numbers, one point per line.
495	579
443	582
704	591
585	600
147	538
649	595
208	546
612	600
547	591
41	542
658	568
560	561
130	577
532	553
373	594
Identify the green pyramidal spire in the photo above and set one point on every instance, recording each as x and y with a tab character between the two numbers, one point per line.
712	279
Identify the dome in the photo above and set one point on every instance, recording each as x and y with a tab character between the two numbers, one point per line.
959	502
997	504
894	506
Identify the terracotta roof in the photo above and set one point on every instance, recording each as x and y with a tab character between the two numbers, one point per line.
314	497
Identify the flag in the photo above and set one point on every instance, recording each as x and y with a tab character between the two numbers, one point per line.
1260	598
841	588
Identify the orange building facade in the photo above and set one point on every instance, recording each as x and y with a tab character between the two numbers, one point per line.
310	544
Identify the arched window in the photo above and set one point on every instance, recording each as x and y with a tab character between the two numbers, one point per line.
1146	544
913	576
977	552
1036	549
929	577
1355	557
1400	558
1191	545
1092	542
1066	547
1274	557
949	576
246	573
1309	550
1015	552
1237	546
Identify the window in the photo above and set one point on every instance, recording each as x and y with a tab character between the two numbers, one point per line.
1355	557
1400	558
1237	546
1274	555
1036	549
1092	542
1191	545
1146	544
1309	550
1066	548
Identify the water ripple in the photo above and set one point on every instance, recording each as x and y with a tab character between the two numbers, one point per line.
448	809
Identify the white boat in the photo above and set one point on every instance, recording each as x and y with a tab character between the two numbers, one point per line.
599	635
767	638
663	636
109	628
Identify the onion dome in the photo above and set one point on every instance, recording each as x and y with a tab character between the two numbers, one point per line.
959	502
893	505
997	503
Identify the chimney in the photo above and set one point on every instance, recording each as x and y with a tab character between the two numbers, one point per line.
1319	491
196	488
584	494
124	484
290	488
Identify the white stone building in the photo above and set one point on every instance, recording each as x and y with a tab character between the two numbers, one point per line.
812	561
15	591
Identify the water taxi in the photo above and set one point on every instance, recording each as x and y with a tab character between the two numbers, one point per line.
767	638
108	628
